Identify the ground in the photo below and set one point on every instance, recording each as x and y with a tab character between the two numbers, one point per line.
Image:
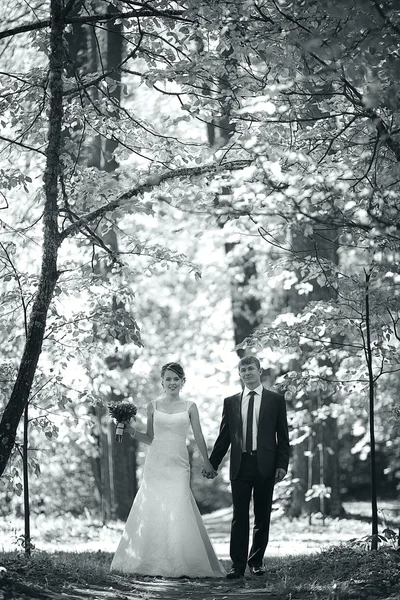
304	560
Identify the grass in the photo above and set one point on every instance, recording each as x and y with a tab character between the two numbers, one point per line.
59	570
339	573
323	567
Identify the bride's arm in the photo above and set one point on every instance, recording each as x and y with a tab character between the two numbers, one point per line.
147	437
199	437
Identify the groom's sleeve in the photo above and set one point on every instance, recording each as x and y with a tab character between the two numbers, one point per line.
282	434
222	442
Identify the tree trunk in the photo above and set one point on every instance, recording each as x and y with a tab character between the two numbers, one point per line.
114	468
48	274
125	477
324	459
299	468
245	305
371	385
119	461
114	58
243	270
25	468
332	471
124	453
84	44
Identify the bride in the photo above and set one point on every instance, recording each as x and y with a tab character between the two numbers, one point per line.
164	534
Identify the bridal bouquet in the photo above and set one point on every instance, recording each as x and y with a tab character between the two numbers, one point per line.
122	412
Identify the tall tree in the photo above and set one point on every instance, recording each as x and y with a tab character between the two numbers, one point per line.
220	127
83	208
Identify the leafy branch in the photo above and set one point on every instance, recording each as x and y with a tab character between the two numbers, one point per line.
149	184
91	19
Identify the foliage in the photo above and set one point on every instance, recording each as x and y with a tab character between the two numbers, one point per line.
313	153
388	538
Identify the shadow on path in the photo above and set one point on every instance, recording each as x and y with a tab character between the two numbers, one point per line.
145	589
178	589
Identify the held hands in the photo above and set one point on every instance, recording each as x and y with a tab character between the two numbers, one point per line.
208	471
279	475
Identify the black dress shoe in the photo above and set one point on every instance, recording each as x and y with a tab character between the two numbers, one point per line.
234	574
257	570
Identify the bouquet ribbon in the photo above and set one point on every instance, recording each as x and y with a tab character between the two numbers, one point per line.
120	428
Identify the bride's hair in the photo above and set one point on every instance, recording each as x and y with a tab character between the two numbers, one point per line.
176	368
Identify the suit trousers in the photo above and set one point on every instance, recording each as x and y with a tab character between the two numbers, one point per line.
249	481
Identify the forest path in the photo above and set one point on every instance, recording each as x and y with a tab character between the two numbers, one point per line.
148	589
73	558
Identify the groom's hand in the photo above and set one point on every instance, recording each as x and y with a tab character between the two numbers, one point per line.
209	474
279	475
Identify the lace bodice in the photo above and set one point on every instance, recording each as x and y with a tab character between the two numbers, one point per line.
170	428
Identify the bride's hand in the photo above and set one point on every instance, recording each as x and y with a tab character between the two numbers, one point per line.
208	471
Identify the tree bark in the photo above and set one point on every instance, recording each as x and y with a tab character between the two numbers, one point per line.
371	384
321	245
123	455
125	477
25	467
245	304
48	274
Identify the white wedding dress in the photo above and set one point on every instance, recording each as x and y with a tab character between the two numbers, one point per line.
164	534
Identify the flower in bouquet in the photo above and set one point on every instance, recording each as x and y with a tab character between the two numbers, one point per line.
122	412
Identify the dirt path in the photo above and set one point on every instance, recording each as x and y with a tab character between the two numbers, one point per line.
146	589
180	590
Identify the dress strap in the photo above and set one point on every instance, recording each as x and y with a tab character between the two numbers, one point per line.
188	405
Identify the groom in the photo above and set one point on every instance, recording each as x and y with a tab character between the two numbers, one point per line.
254	424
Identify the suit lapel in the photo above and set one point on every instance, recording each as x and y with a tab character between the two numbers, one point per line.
263	406
237	408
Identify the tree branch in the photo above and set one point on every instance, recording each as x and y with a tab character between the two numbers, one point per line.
394	322
150	183
21	291
88	232
69	6
105	74
386	19
171	14
384	134
21	145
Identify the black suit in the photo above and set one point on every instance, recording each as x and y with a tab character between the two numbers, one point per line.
252	473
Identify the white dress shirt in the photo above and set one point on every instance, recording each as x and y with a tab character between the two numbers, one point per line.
256	413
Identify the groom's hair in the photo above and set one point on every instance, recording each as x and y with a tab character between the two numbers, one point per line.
248	360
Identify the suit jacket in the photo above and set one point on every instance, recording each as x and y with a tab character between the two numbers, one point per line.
272	435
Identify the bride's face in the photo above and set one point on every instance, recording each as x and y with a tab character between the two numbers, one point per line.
171	382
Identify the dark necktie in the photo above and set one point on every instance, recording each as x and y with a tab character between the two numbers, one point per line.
249	425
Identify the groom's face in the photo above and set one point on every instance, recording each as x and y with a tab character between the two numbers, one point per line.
250	374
